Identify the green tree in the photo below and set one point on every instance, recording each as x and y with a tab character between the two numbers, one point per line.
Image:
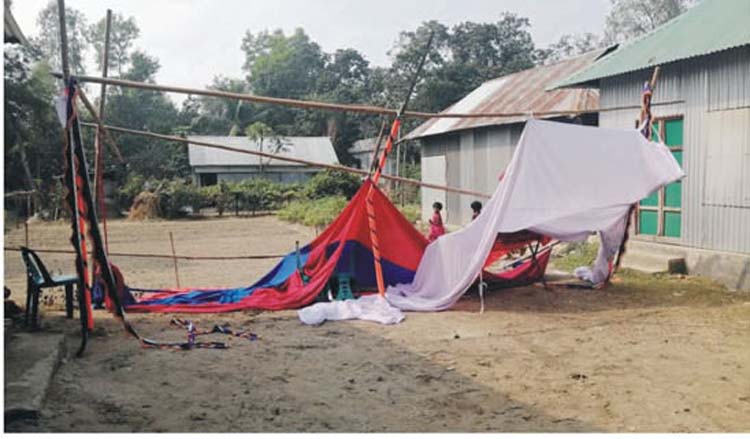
630	18
122	34
282	66
150	111
48	40
32	131
259	132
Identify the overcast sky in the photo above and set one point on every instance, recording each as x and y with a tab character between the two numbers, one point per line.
196	40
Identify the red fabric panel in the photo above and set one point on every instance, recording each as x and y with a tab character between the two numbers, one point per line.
400	243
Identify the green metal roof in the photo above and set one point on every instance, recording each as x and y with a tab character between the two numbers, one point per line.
711	26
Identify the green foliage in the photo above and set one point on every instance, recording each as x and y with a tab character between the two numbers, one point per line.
576	255
122	34
176	196
332	183
32	146
411	212
313	213
48	40
218	196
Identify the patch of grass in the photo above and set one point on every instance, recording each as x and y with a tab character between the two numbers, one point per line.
575	255
313	213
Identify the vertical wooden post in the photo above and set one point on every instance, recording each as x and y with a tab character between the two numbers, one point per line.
98	148
26	232
397	185
63	41
174	258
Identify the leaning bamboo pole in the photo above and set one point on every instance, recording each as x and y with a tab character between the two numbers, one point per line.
342	168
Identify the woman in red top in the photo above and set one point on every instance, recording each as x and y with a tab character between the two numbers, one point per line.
436	222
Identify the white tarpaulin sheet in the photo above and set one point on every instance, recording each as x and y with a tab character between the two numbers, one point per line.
564	181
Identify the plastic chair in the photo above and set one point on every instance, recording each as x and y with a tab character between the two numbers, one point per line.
38	278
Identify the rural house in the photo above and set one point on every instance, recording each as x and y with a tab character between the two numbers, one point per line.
362	151
702	110
471	153
210	165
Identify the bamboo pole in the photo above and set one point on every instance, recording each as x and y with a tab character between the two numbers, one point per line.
215	145
329	106
174	259
157	255
98	157
99	124
63	41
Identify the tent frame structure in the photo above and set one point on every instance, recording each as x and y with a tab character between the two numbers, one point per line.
81	197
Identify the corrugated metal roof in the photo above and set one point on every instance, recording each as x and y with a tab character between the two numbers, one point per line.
515	93
317	149
711	26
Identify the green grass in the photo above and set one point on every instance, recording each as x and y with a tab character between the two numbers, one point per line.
313	213
575	255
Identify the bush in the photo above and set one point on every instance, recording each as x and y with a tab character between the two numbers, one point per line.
313	213
175	196
412	212
332	183
259	194
218	196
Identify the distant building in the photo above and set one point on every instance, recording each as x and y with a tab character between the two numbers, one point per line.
471	153
363	151
210	165
702	105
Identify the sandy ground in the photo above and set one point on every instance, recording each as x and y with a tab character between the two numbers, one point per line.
662	354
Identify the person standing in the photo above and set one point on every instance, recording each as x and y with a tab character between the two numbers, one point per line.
476	207
436	222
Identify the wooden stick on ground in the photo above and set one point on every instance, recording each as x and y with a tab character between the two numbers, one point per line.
174	259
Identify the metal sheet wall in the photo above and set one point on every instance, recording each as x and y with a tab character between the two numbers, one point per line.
713	88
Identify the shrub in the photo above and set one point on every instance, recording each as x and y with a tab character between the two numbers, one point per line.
412	212
313	213
331	183
218	196
176	196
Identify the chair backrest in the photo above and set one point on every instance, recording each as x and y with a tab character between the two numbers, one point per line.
35	267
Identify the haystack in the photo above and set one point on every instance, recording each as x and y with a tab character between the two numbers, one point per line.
145	206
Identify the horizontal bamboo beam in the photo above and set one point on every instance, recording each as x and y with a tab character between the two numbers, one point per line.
90	107
329	106
284	158
154	255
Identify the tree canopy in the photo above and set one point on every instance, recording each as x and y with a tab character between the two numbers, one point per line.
279	64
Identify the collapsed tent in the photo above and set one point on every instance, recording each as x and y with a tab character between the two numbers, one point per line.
565	182
343	248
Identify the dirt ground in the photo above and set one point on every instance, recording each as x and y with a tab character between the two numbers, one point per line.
649	354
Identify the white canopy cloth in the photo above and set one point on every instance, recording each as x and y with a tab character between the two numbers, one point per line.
564	181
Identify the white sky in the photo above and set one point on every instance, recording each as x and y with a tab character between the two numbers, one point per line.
196	40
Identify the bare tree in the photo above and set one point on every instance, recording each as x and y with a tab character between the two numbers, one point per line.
631	18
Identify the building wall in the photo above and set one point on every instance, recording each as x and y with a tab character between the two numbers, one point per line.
365	161
714	91
474	160
239	173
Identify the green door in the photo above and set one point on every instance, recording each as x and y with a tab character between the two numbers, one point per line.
660	214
